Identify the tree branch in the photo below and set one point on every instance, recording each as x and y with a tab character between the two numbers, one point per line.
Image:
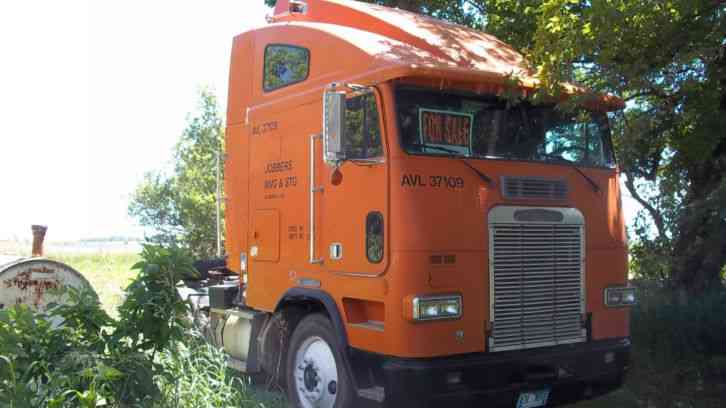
654	213
638	95
477	6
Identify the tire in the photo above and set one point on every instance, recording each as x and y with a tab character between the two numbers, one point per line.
316	374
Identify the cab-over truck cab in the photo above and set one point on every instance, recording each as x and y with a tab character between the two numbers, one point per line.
404	234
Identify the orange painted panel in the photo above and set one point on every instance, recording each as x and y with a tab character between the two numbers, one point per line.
266	236
236	184
236	174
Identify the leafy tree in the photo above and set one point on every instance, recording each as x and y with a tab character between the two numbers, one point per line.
180	207
667	59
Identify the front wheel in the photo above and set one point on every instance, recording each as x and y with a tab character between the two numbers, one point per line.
316	376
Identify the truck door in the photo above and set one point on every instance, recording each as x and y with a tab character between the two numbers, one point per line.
267	210
279	126
353	213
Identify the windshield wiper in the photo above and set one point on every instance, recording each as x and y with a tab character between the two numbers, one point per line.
439	148
481	175
595	187
592	182
456	155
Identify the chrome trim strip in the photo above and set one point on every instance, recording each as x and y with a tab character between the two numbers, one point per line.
583	279
490	343
370	325
505	215
313	190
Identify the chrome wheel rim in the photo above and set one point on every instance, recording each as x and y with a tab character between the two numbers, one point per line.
315	374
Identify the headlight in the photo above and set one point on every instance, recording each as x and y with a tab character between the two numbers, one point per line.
436	307
617	297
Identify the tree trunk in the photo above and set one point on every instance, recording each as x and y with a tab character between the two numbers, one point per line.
699	256
721	73
700	247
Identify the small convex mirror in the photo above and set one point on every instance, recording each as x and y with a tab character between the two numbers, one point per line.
333	127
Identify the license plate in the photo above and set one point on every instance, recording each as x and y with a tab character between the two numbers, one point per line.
533	399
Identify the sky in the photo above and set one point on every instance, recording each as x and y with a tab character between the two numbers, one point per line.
93	94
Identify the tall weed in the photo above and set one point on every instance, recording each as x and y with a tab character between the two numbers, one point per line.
679	354
195	375
145	358
681	331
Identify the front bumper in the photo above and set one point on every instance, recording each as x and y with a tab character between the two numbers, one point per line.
571	372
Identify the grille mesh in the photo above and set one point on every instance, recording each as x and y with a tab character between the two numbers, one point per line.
537	280
534	188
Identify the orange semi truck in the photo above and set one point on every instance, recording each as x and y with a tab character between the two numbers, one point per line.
401	234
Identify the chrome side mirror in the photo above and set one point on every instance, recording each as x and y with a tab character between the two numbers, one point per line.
333	127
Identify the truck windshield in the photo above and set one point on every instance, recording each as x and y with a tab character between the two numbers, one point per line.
488	127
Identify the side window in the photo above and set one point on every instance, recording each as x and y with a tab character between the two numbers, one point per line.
374	237
285	65
363	131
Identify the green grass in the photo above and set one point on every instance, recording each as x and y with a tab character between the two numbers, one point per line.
108	273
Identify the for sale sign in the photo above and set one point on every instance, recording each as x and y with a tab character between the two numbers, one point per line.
445	128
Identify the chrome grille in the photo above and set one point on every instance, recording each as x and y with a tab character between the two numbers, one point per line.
537	280
534	188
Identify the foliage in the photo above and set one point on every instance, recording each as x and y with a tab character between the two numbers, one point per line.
141	359
153	314
42	364
680	350
76	355
680	332
179	208
667	59
83	317
677	358
196	376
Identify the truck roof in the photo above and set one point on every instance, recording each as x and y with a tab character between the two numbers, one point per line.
393	37
368	44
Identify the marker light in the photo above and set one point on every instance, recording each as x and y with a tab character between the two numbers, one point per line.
437	307
298	6
618	297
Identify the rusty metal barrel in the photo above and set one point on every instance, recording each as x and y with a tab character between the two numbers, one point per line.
37	281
